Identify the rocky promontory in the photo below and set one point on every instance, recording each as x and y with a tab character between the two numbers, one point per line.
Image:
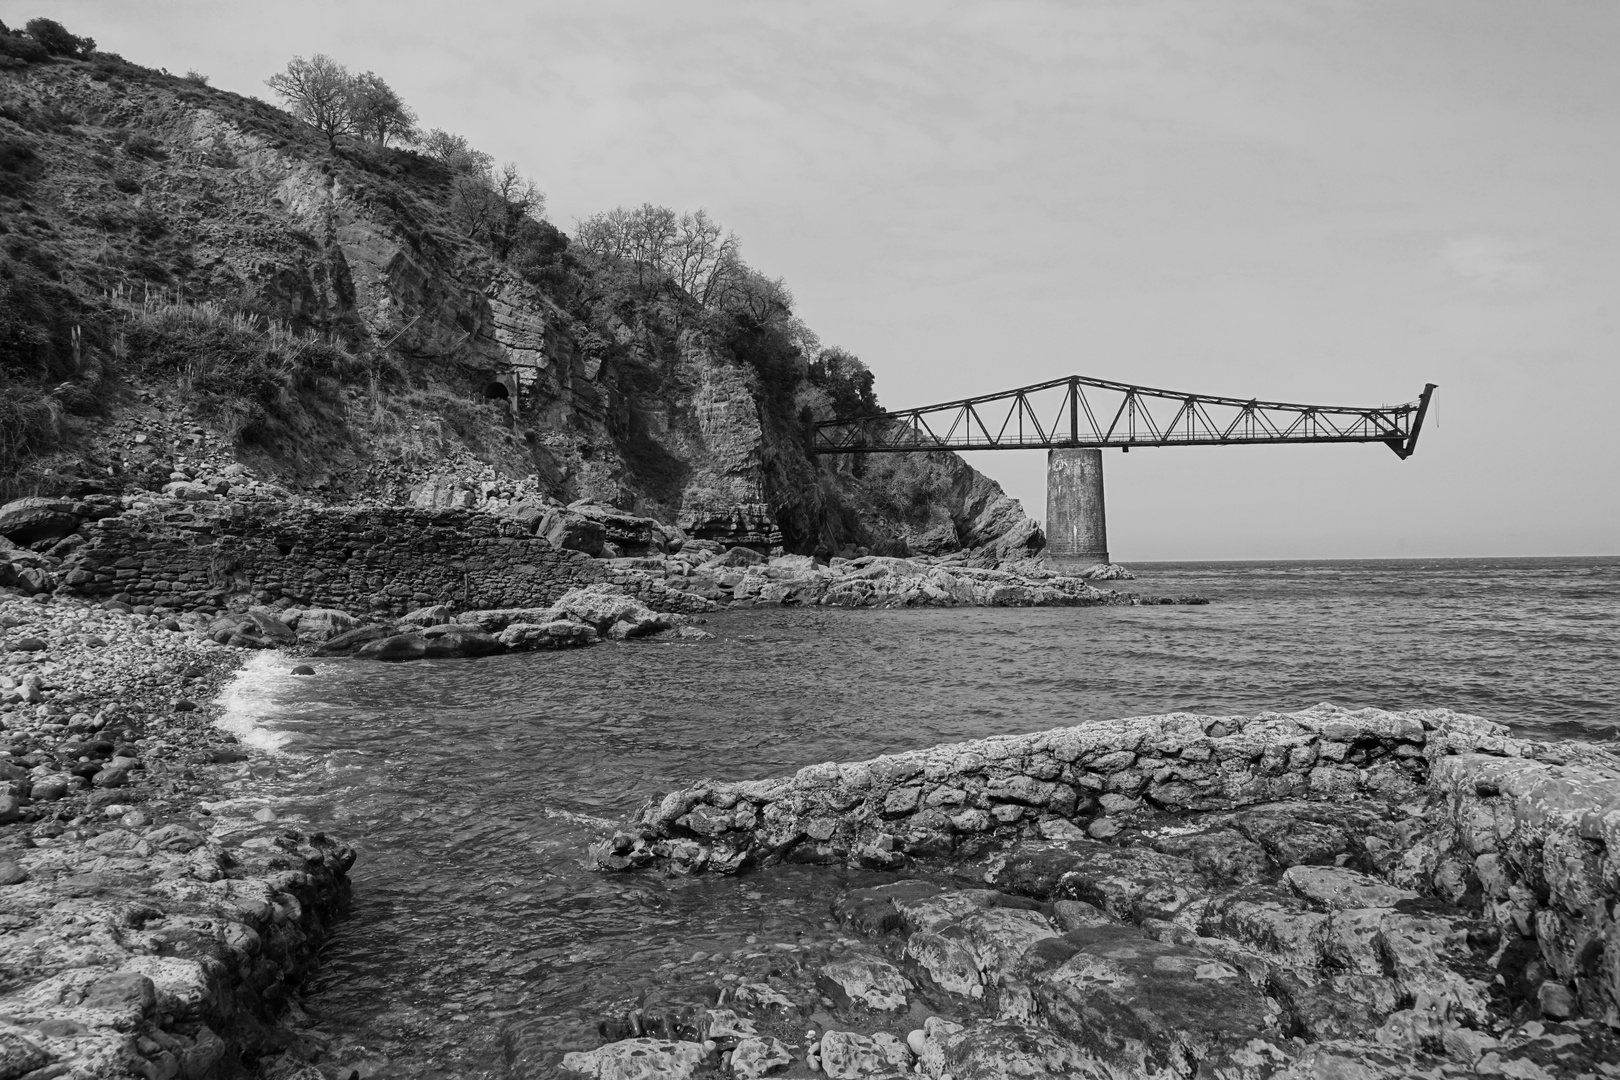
1326	893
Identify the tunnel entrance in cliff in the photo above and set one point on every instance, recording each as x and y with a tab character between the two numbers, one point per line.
496	391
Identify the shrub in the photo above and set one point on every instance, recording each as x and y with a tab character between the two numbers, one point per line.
23	48
18	165
263	385
55	39
30	424
142	145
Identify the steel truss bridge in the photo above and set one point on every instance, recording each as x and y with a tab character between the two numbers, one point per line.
1096	413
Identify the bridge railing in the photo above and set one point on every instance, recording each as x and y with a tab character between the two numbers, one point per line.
1083	412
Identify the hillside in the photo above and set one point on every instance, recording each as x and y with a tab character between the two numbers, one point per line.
190	276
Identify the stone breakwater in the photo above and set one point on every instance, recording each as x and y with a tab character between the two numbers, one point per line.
151	924
1324	893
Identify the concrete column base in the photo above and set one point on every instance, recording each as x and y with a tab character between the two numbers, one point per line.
1076	525
1077	563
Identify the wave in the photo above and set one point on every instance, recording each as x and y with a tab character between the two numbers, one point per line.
250	698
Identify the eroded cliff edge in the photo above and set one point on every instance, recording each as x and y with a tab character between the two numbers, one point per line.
190	278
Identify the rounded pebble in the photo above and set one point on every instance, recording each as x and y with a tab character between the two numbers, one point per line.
303	669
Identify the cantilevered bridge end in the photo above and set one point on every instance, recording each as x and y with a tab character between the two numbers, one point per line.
1403	447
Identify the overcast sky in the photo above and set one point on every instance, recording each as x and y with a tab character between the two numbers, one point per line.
1297	200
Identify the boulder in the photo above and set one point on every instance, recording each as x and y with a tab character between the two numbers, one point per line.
250	630
630	534
187	491
443	493
737	556
323	624
867	981
355	638
757	1055
612	613
494	620
637	1059
527	514
848	1056
432	615
1141	1007
28	521
559	633
573	533
451	643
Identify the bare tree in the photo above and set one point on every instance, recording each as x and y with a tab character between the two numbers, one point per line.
454	153
703	257
751	294
317	91
516	199
691	248
377	112
606	233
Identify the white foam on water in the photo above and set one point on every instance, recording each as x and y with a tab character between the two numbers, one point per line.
249	700
588	820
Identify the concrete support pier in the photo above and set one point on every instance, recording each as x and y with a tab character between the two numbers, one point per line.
1076	528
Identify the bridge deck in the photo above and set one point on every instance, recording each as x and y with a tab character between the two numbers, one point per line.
1082	412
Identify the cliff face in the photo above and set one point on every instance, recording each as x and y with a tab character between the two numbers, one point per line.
130	196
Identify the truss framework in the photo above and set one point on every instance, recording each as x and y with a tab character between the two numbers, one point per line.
1083	412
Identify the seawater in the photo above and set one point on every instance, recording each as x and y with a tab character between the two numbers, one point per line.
481	944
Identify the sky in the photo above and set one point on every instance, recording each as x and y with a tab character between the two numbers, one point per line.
1322	201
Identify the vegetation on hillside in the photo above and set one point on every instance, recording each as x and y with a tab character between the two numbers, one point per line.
103	284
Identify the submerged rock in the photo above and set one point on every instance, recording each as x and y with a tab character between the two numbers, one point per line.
755	1057
451	643
846	1055
637	1059
866	981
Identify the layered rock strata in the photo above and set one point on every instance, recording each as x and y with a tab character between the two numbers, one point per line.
1315	894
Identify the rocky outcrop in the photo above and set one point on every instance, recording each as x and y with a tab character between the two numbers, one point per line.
538	366
580	617
1312	894
28	521
963	508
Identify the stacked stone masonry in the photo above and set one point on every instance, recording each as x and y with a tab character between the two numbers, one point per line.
1527	830
382	561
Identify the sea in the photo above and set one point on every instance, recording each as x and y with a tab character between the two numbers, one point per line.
481	943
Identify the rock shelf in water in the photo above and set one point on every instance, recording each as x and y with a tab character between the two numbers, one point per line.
1326	893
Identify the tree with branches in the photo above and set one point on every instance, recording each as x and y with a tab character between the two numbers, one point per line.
516	200
55	38
377	112
454	153
690	248
319	92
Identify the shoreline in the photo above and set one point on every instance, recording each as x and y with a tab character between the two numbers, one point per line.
204	913
147	933
188	901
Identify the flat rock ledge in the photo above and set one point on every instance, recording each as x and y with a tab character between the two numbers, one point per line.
1325	894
